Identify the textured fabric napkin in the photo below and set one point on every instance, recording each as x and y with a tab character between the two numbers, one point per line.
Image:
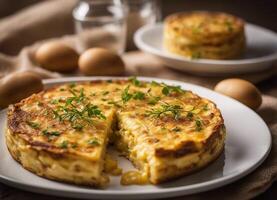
21	35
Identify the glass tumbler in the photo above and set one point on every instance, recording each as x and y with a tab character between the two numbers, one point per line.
140	13
101	23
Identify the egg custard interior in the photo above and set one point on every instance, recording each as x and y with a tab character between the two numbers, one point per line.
62	133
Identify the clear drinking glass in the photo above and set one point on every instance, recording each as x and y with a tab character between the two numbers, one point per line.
140	13
101	23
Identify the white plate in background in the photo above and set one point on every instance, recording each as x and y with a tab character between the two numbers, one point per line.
261	52
248	143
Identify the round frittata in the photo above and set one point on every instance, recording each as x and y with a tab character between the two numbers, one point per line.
62	133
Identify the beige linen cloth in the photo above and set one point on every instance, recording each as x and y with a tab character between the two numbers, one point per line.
21	34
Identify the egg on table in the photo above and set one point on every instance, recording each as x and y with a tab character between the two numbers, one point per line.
241	90
57	56
100	61
17	86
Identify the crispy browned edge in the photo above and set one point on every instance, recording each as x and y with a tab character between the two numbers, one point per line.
184	149
189	146
16	116
56	156
191	169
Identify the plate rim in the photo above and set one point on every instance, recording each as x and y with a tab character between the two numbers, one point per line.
148	48
166	192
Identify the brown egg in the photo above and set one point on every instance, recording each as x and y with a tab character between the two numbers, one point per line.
241	90
99	61
57	56
17	86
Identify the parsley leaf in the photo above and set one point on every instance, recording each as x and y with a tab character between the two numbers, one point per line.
72	85
154	83
229	26
105	93
176	129
190	115
126	96
93	142
153	100
165	91
166	109
114	103
34	125
78	127
50	133
205	107
169	89
138	95
198	125
64	144
135	81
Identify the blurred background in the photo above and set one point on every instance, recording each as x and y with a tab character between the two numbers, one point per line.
261	12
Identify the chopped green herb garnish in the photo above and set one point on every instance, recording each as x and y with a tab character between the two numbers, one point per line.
135	81
229	26
74	112
62	89
205	107
109	81
126	96
54	101
189	115
78	127
75	98
197	28
56	115
169	89
165	109
93	111
105	93
74	145
50	133
153	100
198	125
114	103
34	125
154	83
165	91
138	95
93	142
64	144
40	104
72	85
176	129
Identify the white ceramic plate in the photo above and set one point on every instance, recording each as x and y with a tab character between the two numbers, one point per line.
261	52
247	145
